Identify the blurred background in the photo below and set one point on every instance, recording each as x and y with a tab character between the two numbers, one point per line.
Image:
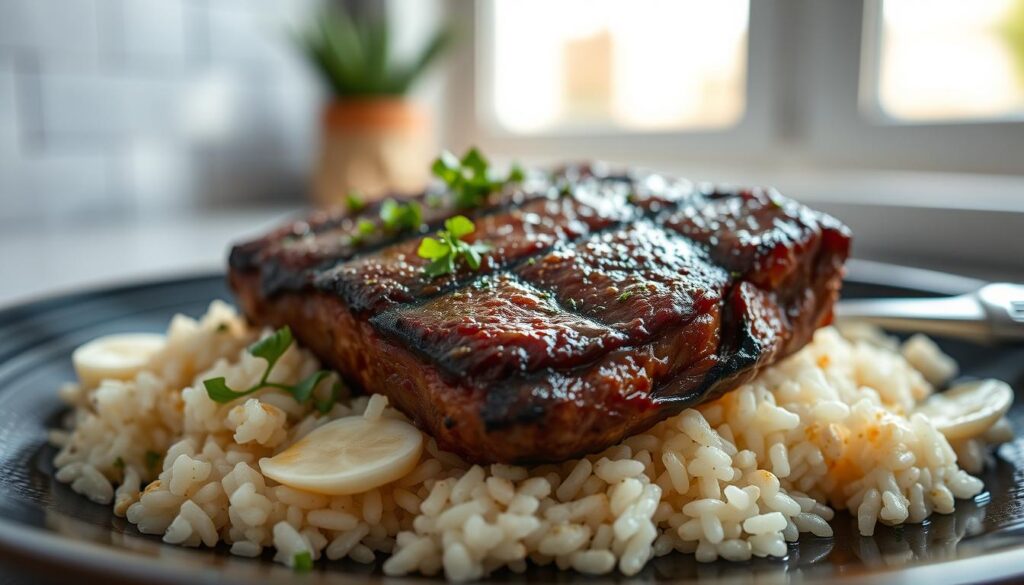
140	137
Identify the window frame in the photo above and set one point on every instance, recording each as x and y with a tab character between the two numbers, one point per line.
839	73
754	132
807	78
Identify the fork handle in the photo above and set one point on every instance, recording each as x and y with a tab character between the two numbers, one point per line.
993	313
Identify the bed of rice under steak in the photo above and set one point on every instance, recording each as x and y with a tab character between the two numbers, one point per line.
735	478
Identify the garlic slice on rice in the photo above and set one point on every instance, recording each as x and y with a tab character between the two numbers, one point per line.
348	456
115	357
968	410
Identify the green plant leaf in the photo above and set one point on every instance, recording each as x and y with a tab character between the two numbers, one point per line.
218	391
401	216
516	174
353	55
441	266
152	460
304	389
459	226
432	249
270	348
354	202
472	256
324	406
302	562
366	227
475	162
447	248
273	346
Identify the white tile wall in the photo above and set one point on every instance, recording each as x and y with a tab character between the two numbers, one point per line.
53	26
8	119
156	34
95	109
61	185
151	104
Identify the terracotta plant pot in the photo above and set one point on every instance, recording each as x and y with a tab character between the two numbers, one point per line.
373	146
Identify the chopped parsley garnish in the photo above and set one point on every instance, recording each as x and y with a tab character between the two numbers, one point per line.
470	179
153	460
625	295
354	202
119	464
399	217
270	349
302	562
365	227
445	251
324	406
222	328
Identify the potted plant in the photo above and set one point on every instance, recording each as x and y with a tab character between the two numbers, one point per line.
374	140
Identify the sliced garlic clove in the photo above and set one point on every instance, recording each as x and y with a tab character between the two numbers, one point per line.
115	357
348	456
968	410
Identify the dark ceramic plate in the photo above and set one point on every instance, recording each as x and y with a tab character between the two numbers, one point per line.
46	528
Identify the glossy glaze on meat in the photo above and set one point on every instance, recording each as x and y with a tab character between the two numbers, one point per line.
607	303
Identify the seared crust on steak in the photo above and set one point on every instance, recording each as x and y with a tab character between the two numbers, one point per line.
607	303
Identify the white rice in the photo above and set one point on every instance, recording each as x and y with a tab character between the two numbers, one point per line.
736	478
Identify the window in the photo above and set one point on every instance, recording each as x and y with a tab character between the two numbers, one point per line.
644	65
928	85
949	60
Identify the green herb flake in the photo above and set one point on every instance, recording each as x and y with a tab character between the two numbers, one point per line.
324	406
222	328
398	217
269	349
531	261
365	227
354	202
625	295
302	562
119	464
470	178
153	460
448	248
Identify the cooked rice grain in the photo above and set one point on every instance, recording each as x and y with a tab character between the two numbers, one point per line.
734	479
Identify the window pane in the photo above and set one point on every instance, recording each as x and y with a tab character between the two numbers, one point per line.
607	64
951	59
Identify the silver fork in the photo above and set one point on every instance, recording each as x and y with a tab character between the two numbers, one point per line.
992	314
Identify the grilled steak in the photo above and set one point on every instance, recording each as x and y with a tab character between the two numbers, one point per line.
607	303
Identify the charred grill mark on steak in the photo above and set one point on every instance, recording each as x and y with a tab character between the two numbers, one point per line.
609	302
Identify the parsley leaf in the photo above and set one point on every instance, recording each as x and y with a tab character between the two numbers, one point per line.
354	202
270	349
302	562
470	179
401	216
324	406
153	460
365	227
448	247
304	389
